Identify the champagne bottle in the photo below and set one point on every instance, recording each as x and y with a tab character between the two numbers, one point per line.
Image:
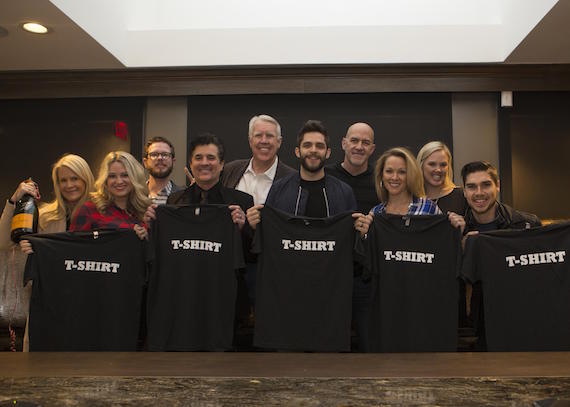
25	218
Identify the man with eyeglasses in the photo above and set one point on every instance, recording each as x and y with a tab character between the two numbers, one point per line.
159	160
356	171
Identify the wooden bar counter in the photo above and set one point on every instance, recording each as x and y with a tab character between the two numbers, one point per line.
297	379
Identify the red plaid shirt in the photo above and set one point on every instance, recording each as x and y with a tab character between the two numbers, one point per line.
89	218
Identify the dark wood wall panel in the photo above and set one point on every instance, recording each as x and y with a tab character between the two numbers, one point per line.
35	133
399	119
537	148
283	79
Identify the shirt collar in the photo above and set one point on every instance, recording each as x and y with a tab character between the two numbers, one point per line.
270	173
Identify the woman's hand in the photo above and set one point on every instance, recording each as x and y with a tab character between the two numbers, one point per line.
362	222
26	247
457	221
141	232
26	187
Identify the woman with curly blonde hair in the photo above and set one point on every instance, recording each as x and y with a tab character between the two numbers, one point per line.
120	198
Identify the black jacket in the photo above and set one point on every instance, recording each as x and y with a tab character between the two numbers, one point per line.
287	195
507	218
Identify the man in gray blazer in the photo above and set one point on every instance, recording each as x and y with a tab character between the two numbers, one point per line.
255	175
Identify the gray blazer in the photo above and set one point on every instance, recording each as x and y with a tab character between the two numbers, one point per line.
233	171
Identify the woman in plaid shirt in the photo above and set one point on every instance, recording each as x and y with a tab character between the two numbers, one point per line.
400	186
120	198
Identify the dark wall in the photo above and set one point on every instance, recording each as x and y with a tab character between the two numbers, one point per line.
537	130
399	119
35	133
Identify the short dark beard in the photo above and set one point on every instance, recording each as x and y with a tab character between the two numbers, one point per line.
160	175
306	167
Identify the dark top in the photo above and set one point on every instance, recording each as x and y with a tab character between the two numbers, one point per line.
316	204
304	282
220	195
506	218
87	291
525	276
415	262
453	202
362	185
286	194
192	284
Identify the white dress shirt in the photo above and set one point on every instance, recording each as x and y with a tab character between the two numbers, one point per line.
257	185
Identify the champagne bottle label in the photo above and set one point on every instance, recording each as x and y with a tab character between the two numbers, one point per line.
23	221
25	218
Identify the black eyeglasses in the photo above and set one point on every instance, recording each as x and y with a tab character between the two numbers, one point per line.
155	155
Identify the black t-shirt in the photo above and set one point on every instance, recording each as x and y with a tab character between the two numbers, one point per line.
87	291
414	263
316	204
362	185
304	282
452	202
192	284
526	281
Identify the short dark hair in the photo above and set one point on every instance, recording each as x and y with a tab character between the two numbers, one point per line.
310	126
158	139
203	140
477	166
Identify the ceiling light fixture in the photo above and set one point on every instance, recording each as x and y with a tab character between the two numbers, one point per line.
35	28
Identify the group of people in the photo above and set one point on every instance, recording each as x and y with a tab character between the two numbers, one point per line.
122	197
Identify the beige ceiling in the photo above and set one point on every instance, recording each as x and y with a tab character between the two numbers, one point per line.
67	47
70	47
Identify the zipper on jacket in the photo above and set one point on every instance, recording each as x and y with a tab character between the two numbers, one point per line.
326	202
298	199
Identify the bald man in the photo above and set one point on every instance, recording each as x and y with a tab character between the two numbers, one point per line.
356	171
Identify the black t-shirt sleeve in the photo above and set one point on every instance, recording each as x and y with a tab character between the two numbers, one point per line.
367	247
469	270
256	245
30	271
458	252
238	249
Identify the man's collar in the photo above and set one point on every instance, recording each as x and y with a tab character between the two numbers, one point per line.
270	173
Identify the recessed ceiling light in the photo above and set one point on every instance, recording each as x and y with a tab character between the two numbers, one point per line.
35	28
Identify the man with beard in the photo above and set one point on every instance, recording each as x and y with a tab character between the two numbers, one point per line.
310	192
485	213
159	160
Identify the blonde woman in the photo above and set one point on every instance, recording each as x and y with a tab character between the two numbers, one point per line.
72	182
434	159
120	198
399	185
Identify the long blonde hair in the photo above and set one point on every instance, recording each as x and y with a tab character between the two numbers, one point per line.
431	148
138	200
414	179
59	209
